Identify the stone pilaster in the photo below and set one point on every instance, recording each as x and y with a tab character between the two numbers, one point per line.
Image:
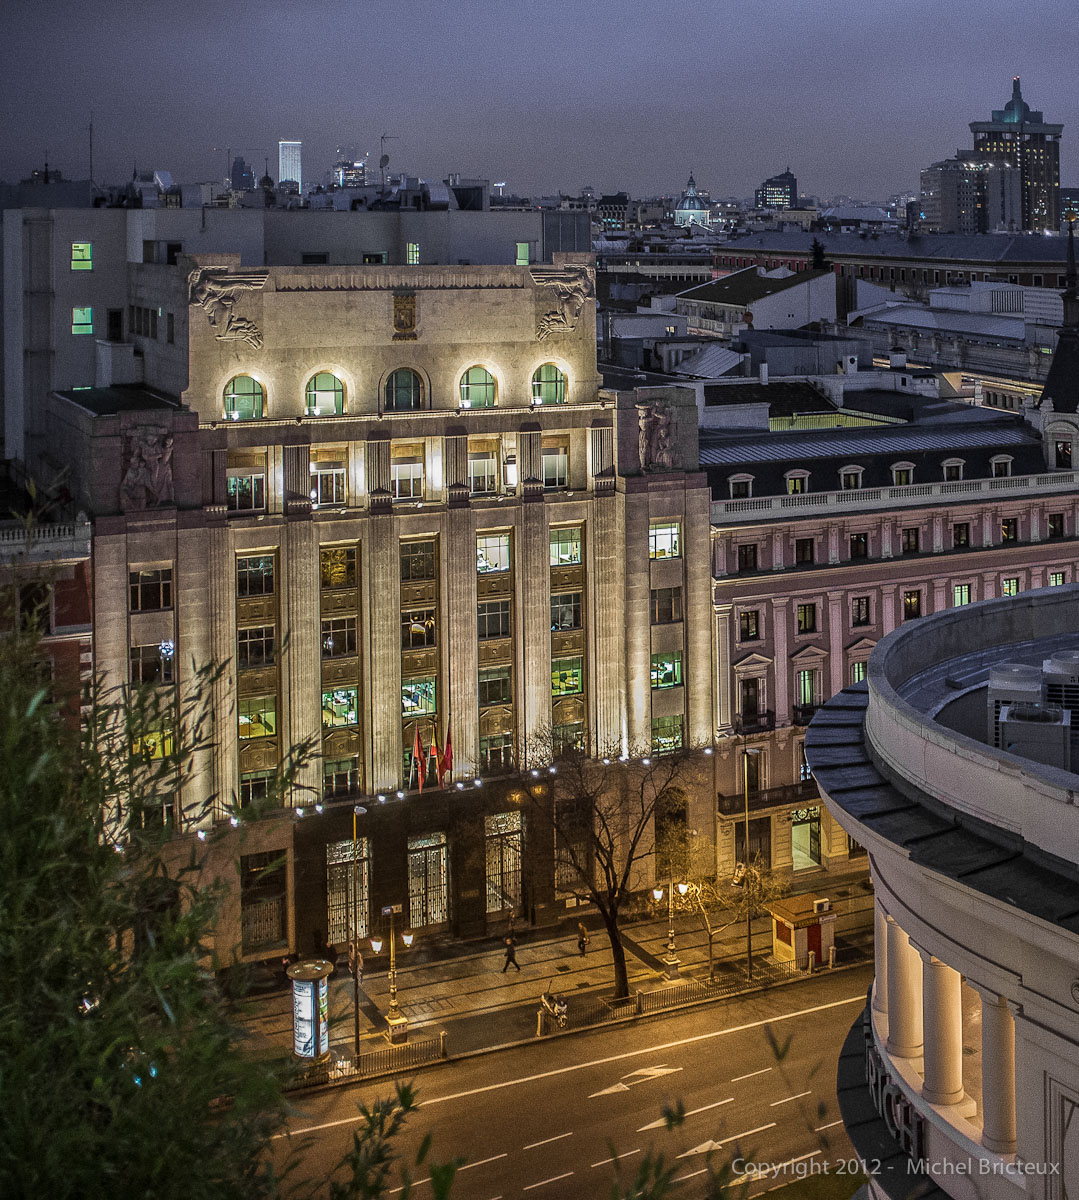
697	610
887	608
836	655
459	703
382	661
607	619
532	579
301	665
638	641
782	664
880	958
724	616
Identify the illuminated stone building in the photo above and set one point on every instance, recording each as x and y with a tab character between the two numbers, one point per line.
395	500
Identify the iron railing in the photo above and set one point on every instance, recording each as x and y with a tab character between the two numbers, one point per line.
790	794
387	1060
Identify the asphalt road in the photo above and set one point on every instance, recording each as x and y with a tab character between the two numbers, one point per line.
756	1076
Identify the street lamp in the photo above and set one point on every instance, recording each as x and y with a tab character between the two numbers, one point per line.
396	1021
354	933
670	963
746	752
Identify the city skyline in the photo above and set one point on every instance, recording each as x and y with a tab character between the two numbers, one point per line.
697	94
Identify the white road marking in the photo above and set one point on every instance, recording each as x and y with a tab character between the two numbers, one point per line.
691	1175
788	1099
493	1158
618	1157
554	1179
599	1062
533	1145
751	1075
705	1147
645	1074
830	1125
692	1113
415	1183
776	1169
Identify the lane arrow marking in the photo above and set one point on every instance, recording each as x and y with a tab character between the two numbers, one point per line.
640	1076
705	1147
692	1113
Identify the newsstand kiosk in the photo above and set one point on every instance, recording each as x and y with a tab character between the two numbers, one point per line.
803	925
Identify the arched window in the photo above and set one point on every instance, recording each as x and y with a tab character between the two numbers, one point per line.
245	398
548	385
325	395
404	391
477	388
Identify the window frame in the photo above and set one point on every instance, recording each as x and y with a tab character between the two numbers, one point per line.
256	395
392	390
82	256
485	388
657	607
661	661
574	670
664	540
336	391
485	542
806	622
545	377
82	320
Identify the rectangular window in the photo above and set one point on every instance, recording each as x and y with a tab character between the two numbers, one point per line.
82	256
150	590
374	258
666	734
666	605
667	669
961	535
337	567
740	489
417	561
747	557
1056	578
255	647
327	484
1056	525
482	474
418	697
406	478
255	575
749	626
664	539
806	686
152	664
170	328
502	846
339	708
492	553
567	738
82	320
256	787
412	254
567	676
960	594
555	467
1002	467
857	672
850	480
495	686
807	618
256	716
1009	587
493	619
912	605
565	610
338	637
1063	455
565	546
796	485
859	545
496	753
522	254
952	472
1009	529
418	628
245	492
859	610
911	540
803	550
902	476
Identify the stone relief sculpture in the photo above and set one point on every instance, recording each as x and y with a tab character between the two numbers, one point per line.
215	290
575	286
654	437
148	479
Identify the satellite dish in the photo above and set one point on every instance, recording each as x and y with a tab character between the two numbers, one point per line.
383	161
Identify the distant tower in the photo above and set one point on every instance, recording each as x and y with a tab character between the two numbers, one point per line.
1017	136
781	191
288	163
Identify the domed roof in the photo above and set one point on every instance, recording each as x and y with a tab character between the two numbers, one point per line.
690	201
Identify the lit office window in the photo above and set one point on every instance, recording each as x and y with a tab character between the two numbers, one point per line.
565	546
325	395
567	676
339	708
244	398
492	553
667	669
664	540
82	320
548	385
477	388
82	256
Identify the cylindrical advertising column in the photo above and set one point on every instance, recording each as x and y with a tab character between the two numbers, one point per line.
310	1009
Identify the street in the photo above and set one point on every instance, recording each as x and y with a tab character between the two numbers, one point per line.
756	1076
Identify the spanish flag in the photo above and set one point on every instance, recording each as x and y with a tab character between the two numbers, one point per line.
436	753
446	762
418	761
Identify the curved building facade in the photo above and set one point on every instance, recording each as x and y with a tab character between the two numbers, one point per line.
972	1026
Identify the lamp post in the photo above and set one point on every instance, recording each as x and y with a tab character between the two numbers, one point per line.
746	752
670	963
354	932
396	1021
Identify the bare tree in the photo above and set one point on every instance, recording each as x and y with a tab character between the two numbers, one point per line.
602	813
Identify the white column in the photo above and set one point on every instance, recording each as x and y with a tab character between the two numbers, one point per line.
998	1073
880	955
942	1018
724	711
904	995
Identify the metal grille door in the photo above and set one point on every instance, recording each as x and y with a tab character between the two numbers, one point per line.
428	882
347	895
503	837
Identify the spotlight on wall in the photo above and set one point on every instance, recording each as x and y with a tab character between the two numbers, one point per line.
399	794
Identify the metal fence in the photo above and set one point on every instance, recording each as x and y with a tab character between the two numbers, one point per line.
387	1060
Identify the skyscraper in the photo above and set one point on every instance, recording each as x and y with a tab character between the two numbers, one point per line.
288	163
781	191
1019	136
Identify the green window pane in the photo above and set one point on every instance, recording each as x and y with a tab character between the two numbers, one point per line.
339	708
667	669
666	734
522	254
404	391
325	395
477	388
567	677
413	255
82	320
82	256
256	716
244	398
418	697
548	385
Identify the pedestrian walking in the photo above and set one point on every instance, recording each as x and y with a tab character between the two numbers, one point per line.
582	938
511	954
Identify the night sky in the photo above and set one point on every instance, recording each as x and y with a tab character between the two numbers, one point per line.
855	97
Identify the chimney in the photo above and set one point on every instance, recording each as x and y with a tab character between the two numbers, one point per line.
764	374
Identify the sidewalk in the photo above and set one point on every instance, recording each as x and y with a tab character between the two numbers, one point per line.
480	1006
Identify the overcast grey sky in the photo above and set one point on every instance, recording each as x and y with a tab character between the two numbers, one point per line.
546	94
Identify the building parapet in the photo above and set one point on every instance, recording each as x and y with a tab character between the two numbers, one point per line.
861	500
40	543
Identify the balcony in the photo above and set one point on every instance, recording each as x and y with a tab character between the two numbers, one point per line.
790	795
758	722
802	714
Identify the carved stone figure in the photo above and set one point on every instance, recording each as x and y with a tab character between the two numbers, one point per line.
575	286
148	478
654	437
215	290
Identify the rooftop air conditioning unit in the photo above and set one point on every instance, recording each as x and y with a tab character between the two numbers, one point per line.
822	905
1011	683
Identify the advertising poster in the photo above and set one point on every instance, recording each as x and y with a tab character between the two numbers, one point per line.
303	1017
323	1017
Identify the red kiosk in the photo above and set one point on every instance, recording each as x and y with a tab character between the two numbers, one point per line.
802	925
